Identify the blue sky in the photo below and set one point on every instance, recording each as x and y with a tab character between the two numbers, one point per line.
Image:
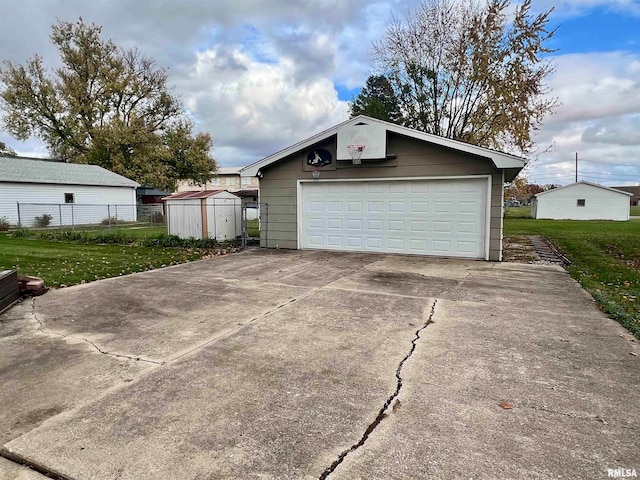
261	75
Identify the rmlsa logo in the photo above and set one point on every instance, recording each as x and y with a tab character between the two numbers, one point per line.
622	473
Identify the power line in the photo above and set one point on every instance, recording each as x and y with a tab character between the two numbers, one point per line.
583	160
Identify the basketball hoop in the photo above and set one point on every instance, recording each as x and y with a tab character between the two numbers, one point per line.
356	153
315	171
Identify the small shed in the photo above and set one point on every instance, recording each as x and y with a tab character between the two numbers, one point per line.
581	201
204	214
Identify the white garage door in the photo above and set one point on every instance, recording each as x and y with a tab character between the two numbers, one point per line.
426	217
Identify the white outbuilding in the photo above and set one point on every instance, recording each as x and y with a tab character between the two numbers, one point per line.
581	201
204	214
65	193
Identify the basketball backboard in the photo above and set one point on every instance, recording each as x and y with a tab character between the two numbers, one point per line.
372	136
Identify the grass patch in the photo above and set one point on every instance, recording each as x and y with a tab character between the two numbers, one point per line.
252	228
517	212
605	256
635	211
71	257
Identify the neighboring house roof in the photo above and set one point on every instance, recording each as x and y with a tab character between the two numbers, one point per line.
150	191
499	159
228	170
193	194
583	183
31	170
632	189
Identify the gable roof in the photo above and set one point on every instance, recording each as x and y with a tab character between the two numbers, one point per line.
194	194
632	189
583	182
499	159
32	170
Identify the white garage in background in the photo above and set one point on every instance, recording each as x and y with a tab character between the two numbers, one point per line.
445	217
581	201
68	193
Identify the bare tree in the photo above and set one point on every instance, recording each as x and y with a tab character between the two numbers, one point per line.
467	72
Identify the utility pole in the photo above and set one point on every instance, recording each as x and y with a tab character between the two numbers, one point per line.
576	167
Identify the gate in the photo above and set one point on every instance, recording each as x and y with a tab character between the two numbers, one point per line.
255	223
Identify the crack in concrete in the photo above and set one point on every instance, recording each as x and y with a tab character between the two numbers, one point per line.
383	411
41	329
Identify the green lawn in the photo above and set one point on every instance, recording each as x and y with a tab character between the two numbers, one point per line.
605	256
635	211
65	263
518	212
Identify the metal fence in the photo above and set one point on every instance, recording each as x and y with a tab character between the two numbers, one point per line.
74	215
255	223
223	219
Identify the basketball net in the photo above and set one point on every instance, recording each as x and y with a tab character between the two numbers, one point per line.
356	153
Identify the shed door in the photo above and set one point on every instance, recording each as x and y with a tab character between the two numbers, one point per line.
424	217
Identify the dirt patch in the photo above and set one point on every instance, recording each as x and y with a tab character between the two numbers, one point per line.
518	249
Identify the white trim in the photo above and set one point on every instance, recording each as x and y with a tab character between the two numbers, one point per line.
299	207
499	159
501	217
583	182
487	227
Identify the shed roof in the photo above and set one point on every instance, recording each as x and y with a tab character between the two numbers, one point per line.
502	160
193	194
32	170
582	182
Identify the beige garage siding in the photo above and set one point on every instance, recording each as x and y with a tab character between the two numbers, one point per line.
278	187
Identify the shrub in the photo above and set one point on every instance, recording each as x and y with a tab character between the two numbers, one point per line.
4	224
43	221
21	232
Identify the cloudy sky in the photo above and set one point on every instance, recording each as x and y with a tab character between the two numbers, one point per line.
261	75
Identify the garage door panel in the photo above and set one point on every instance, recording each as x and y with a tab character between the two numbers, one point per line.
396	207
354	207
354	224
419	207
429	217
374	207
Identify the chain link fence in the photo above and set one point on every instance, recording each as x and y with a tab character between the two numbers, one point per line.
74	215
223	219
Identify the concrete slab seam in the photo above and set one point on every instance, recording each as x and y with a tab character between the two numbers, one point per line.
8	455
383	411
41	329
243	325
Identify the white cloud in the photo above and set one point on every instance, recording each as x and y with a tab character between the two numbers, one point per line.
258	108
599	118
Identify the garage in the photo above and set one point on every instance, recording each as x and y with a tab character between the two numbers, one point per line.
367	185
443	217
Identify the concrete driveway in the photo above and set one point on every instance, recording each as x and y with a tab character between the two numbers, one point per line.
289	364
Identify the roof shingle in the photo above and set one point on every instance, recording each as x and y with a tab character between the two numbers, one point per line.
31	170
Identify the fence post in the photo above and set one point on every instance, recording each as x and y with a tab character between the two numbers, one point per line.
109	216
73	221
60	215
116	214
19	220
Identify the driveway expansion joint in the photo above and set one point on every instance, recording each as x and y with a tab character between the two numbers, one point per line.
392	399
7	455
